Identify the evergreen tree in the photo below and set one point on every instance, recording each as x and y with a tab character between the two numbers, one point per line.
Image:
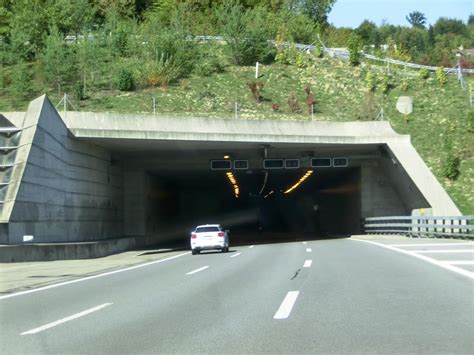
416	19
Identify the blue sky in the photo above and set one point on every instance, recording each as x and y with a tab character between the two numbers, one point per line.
350	13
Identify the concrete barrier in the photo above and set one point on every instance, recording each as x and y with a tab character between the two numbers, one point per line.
64	251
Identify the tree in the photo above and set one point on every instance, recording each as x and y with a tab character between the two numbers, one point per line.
446	25
317	10
416	19
56	61
355	45
366	32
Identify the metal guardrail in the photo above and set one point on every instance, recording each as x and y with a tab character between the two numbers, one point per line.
422	226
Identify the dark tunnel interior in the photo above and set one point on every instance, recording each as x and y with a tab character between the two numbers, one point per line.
326	204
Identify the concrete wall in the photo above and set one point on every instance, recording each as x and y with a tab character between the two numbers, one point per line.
64	190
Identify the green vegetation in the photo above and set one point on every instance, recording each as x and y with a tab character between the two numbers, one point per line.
125	53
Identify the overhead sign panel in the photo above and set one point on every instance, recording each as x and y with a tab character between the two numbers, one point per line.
221	165
292	163
321	162
241	164
273	164
340	162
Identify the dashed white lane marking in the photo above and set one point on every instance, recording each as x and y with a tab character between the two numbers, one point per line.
308	263
304	242
67	319
233	256
197	270
250	247
287	305
442	251
92	277
458	262
429	245
309	250
422	257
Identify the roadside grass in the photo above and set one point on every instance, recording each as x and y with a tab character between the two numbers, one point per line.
440	112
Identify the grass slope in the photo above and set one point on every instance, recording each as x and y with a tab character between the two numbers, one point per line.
440	111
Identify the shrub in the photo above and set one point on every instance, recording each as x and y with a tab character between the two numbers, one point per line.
209	66
310	99
451	166
404	85
255	87
78	89
424	73
370	80
126	81
441	76
355	45
161	72
293	104
385	82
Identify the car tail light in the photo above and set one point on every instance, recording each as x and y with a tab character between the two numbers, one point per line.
220	234
193	235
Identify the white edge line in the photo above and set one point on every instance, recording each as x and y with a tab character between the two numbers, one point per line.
428	245
67	319
233	256
309	250
287	305
308	263
197	270
458	262
434	251
91	277
422	257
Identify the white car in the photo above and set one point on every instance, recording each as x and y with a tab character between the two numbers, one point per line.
209	236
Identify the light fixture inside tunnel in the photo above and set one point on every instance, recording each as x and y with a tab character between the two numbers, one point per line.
299	182
271	192
234	184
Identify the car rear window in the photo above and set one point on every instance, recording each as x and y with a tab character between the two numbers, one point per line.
207	229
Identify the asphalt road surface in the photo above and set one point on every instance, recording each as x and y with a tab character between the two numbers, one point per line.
326	296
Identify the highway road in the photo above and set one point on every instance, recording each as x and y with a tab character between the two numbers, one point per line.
321	296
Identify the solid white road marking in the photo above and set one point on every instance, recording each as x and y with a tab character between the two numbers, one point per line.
67	319
422	257
458	262
233	256
91	277
442	251
429	245
197	270
287	305
250	247
308	263
309	250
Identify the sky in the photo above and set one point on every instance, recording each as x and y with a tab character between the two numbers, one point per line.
350	13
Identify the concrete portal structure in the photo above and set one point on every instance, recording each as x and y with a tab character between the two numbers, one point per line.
94	176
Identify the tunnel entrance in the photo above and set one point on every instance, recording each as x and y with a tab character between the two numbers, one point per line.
326	204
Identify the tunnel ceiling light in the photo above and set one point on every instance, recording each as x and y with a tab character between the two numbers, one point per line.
299	182
233	182
226	156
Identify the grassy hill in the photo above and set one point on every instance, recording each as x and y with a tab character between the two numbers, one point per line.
439	125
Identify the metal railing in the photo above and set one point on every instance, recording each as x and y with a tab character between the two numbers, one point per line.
422	226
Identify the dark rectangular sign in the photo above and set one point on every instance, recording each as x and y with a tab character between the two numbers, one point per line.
292	163
221	164
241	164
321	162
273	164
340	162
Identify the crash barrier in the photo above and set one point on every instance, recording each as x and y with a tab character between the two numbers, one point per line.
422	226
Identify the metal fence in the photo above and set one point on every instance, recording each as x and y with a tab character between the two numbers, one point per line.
422	226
